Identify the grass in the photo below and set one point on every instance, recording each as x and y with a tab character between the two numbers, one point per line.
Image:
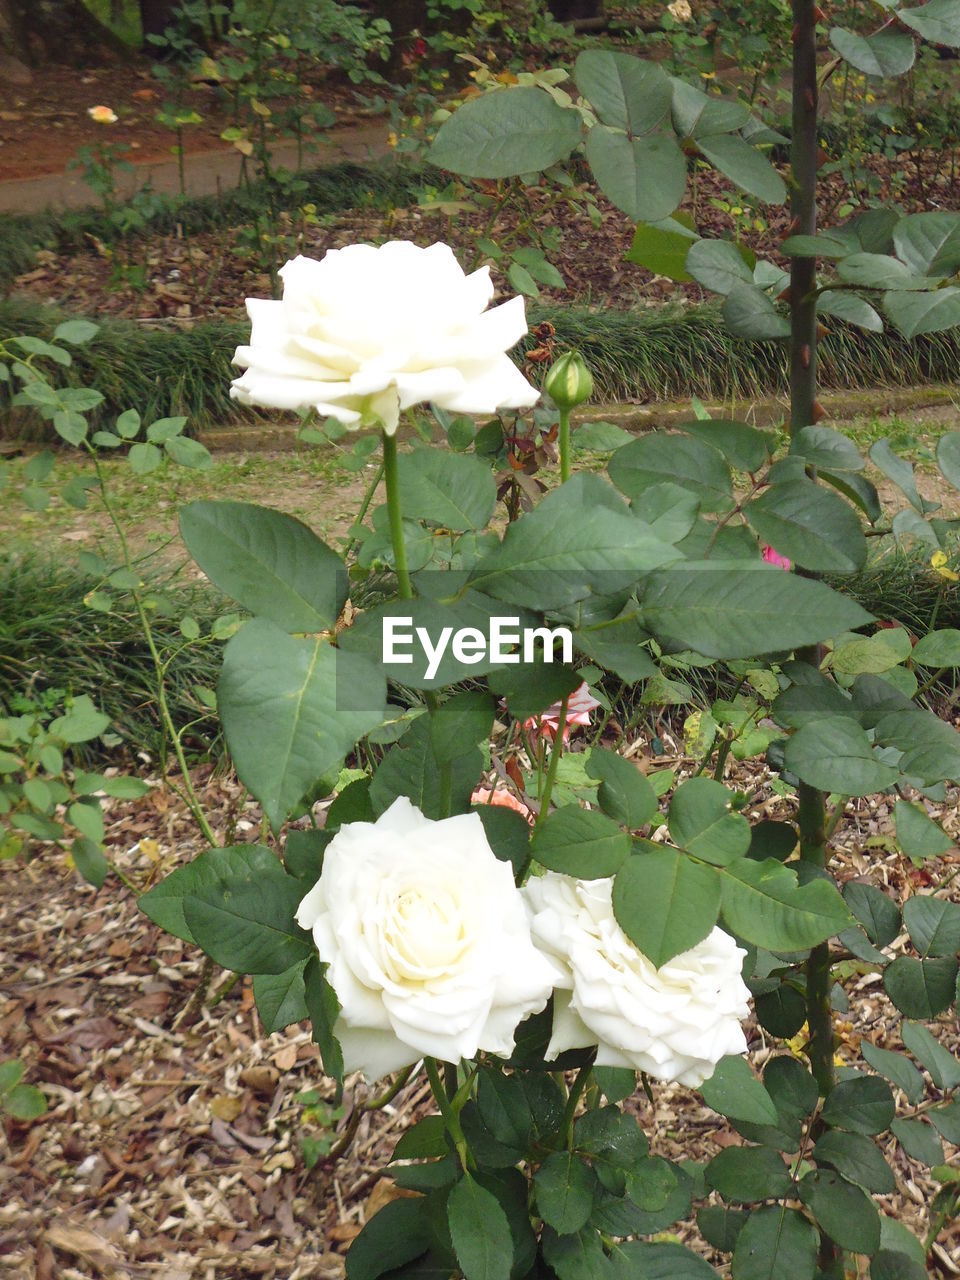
50	640
658	353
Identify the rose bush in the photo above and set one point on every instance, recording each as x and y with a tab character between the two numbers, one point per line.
426	940
367	332
674	1023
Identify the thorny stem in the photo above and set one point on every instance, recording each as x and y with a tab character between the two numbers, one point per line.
580	1082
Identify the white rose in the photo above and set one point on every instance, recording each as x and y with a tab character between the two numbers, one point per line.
427	941
674	1023
367	332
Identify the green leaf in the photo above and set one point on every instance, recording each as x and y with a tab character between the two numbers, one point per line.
280	997
581	540
625	92
683	460
662	248
749	313
921	988
851	308
600	437
24	1102
144	458
743	447
718	265
834	754
844	1211
918	1140
507	832
88	819
76	332
11	1073
720	1226
938	648
743	1174
165	429
660	1261
625	794
697	114
763	904
411	769
775	1244
89	860
664	902
187	452
523	282
917	313
702	822
323	1007
564	1186
128	424
503	1107
946	1120
460	723
943	1066
735	1092
929	243
937	21
895	1068
80	723
500	135
70	426
809	525
395	1235
859	1104
743	612
816	246
244	918
479	1228
422	1141
745	166
291	710
580	842
948	457
267	561
882	54
933	925
858	1159
888	1264
644	177
531	689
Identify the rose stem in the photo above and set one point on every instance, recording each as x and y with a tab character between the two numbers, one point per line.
396	517
450	1117
564	442
573	1097
555	753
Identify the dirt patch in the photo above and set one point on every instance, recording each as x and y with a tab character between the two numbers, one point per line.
179	1143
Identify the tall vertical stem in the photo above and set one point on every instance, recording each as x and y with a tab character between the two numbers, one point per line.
803	395
396	516
803	210
564	443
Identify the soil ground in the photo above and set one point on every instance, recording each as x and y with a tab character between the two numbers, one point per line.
174	1147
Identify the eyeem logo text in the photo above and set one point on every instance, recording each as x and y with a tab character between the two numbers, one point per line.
505	642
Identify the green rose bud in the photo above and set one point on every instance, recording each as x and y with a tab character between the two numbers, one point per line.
569	382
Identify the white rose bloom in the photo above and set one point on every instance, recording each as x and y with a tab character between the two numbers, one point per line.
427	941
367	332
674	1023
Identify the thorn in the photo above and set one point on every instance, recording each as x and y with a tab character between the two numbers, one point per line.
818	14
795	33
805	355
810	98
794	226
818	411
822	332
784	295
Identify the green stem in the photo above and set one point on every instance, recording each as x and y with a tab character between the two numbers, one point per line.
573	1097
396	516
813	850
564	441
190	795
450	1117
555	754
364	508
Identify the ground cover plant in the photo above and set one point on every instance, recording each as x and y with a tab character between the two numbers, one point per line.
524	927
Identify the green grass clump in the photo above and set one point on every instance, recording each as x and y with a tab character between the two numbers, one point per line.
53	644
